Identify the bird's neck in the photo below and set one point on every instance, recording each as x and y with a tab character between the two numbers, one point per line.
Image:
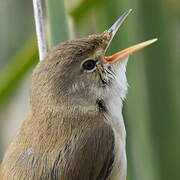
67	116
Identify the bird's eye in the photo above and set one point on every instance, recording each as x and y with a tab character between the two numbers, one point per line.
89	65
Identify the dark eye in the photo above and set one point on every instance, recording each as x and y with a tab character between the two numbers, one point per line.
88	65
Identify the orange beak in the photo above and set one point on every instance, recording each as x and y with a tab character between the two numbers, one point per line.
126	52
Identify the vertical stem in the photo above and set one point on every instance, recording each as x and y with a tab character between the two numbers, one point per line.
40	28
159	69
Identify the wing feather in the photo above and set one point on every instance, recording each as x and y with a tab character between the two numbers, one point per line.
90	157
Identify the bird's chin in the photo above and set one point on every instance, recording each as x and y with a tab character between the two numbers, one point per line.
122	63
120	84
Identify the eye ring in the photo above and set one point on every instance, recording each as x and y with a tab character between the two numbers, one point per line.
89	65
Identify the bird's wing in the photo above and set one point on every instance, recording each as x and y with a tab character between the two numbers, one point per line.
90	157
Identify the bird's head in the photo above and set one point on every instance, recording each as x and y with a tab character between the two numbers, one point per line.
78	73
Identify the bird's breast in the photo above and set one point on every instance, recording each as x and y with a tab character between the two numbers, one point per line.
115	119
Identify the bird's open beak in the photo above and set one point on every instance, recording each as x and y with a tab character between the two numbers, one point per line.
126	52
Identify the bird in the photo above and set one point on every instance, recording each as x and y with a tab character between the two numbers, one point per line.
75	130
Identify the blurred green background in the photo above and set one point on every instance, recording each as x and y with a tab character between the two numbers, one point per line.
152	106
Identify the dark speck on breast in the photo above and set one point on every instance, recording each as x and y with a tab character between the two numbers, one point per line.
101	104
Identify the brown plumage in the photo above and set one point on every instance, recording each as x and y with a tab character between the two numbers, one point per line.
59	140
75	130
